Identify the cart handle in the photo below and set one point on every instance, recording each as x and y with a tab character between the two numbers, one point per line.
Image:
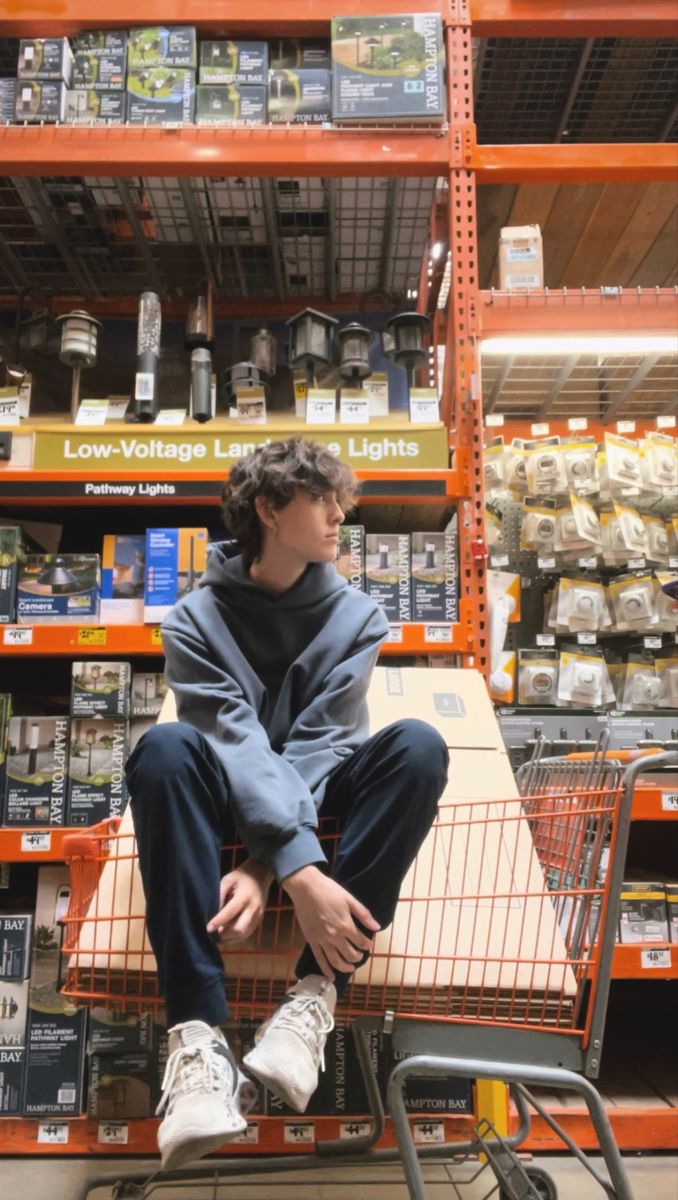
621	756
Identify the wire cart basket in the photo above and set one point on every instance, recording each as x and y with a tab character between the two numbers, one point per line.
498	959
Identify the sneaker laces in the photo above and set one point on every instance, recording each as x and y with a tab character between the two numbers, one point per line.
307	1016
196	1068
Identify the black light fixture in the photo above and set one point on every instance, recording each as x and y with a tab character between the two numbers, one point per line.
201	385
79	338
148	353
240	377
264	352
55	575
200	323
354	353
310	343
403	338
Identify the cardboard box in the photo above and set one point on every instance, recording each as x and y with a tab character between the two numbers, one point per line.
97	787
433	1095
100	41
5	714
95	108
11	555
160	96
388	69
13	1012
387	573
8	100
37	100
122	578
101	70
295	53
121	1086
175	560
15	945
114	1031
455	702
12	1062
58	587
642	913
45	58
300	97
101	689
148	692
160	46
350	561
37	765
230	105
672	910
435	580
521	261
234	62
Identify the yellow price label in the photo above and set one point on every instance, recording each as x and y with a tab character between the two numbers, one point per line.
156	636
92	635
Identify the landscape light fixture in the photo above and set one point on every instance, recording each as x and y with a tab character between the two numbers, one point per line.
241	376
264	352
310	340
403	341
90	739
201	385
354	353
58	577
200	323
33	744
79	338
148	353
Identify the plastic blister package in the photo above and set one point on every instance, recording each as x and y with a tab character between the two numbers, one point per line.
581	606
656	540
581	467
659	464
538	527
622	463
545	467
667	607
493	466
583	679
633	603
568	541
515	471
642	687
667	674
494	529
537	676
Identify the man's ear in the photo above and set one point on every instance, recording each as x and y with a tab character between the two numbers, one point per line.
265	512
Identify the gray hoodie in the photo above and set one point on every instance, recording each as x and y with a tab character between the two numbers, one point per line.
276	682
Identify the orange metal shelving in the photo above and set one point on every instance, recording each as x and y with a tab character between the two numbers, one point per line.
567	311
629	963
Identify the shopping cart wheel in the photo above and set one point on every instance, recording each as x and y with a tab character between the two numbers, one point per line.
541	1182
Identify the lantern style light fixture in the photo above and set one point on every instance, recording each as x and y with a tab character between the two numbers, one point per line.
79	339
148	353
403	341
354	353
310	343
264	352
199	323
242	375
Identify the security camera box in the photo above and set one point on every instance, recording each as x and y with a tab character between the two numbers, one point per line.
120	1086
58	587
160	46
114	1031
387	573
434	577
160	96
95	108
100	41
388	68
37	771
15	945
296	53
175	560
45	58
40	100
235	104
122	578
102	70
11	555
521	259
148	692
350	560
97	788
101	689
642	912
7	100
234	62
12	1063
672	910
300	97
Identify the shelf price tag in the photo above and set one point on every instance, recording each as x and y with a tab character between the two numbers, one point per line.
9	410
576	423
55	1133
429	1132
437	633
424	406
299	1133
546	639
586	639
666	422
395	633
170	416
636	564
588	564
321	406
17	635
546	562
653	960
540	429
113	1133
251	1134
36	843
626	427
499	560
92	412
354	1129
670	802
652	643
494	420
156	636
354	408
92	635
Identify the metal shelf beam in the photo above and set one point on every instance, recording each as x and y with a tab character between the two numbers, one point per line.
565	311
614	162
573	18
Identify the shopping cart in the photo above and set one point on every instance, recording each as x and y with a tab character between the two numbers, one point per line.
496	966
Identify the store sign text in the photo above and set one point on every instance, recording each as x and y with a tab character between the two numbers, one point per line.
157	450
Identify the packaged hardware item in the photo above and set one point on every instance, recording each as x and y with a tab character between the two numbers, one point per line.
545	467
622	465
45	58
387	573
160	96
350	560
8	89
300	97
538	526
100	69
632	534
494	531
148	692
633	602
642	913
656	540
583	679
537	676
659	464
95	108
97	788
230	105
58	587
672	909
586	521
503	678
38	100
494	465
580	466
5	714
122	578
667	673
293	53
388	68
672	538
12	553
667	605
612	536
234	62
435	583
567	542
15	945
175	560
160	46
580	606
515	471
100	689
37	765
641	685
100	41
121	1086
521	259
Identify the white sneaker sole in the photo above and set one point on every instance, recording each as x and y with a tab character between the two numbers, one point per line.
266	1076
196	1144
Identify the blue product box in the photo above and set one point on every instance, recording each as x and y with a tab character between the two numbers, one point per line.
122	578
175	560
58	587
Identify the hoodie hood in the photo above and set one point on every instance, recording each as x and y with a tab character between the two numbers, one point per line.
229	577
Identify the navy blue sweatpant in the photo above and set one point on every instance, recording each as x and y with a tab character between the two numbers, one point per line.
384	798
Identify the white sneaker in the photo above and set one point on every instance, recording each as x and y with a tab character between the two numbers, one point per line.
288	1049
200	1094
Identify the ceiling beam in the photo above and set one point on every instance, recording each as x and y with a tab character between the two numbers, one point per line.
195	223
498	385
635	381
574	88
616	162
271	222
57	235
226	309
140	239
14	268
331	250
389	233
557	385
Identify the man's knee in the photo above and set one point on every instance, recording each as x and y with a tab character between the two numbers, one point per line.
425	753
163	750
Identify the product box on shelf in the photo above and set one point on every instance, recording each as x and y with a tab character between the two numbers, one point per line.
12	1062
148	692
15	945
7	100
160	96
114	1031
220	104
300	97
160	46
121	1086
40	100
122	578
58	587
37	765
100	41
387	573
45	58
293	53
175	560
234	62
11	555
56	1032
101	69
97	788
350	560
521	260
642	912
5	714
388	68
95	108
435	581
672	910
101	689
431	1095
13	1016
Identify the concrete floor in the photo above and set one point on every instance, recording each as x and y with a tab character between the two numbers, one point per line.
652	1178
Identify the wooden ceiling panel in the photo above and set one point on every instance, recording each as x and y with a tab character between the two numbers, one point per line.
602	235
656	206
567	221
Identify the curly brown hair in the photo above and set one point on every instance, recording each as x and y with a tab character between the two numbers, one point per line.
278	470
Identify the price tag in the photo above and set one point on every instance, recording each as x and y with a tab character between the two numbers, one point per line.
354	1129
636	564
354	408
53	1132
9	410
589	564
17	635
113	1133
117	408
626	427
499	560
92	412
546	639
666	422
92	635
321	407
576	423
156	636
251	1134
437	633
586	639
429	1131
298	1133
395	633
170	416
540	429
36	843
547	563
652	643
494	420
669	801
424	405
653	960
673	562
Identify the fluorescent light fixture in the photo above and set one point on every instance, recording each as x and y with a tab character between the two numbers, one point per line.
436	250
596	345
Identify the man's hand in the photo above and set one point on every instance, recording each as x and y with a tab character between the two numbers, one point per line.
326	914
243	894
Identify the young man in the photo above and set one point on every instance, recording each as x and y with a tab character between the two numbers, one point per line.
269	661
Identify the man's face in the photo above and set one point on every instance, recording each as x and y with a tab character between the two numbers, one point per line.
308	526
